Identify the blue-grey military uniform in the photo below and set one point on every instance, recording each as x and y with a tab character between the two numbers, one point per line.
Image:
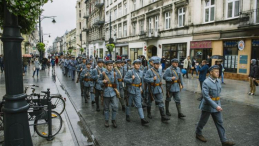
173	88
79	69
98	87
66	65
119	71
109	94
134	87
88	85
72	68
211	90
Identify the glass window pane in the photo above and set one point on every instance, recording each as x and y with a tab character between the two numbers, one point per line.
206	15
212	14
236	12
230	7
180	20
207	3
183	19
212	2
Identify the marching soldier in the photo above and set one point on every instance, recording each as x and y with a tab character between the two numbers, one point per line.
119	71
134	80
66	65
98	87
174	84
88	77
154	78
210	105
72	68
80	68
108	79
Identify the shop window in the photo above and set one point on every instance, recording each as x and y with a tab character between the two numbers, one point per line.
181	17
201	54
231	56
209	10
233	8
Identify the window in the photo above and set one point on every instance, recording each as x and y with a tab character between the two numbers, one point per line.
79	13
232	8
125	8
134	28
141	3
181	17
141	26
115	30
156	23
119	11
107	3
125	29
120	31
107	16
209	11
167	20
256	11
80	25
110	2
115	14
134	5
150	24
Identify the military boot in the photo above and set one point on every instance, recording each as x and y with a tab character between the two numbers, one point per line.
228	143
106	124
149	112
167	108
180	114
127	118
123	108
144	122
201	138
164	118
97	104
114	124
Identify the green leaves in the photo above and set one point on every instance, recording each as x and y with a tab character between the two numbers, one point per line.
110	47
40	47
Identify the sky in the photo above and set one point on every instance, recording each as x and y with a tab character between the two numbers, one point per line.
65	13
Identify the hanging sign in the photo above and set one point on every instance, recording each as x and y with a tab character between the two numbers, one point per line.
241	45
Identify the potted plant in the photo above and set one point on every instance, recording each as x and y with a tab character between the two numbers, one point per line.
110	48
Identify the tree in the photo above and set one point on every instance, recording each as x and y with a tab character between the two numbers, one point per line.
110	48
40	47
82	50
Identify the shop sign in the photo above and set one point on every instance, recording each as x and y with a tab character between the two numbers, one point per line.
255	43
201	45
230	44
241	45
243	59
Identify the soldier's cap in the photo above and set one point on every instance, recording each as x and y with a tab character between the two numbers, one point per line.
88	63
79	55
73	56
157	60
84	58
175	60
70	56
153	58
213	67
128	60
108	62
136	61
118	61
100	60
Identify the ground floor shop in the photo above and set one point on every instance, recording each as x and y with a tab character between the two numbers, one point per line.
121	49
97	49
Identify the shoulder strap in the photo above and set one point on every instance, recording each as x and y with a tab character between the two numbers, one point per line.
118	71
156	74
175	73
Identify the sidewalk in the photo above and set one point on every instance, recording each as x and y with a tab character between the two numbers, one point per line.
233	90
65	136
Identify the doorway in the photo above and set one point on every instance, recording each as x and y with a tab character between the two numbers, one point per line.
152	51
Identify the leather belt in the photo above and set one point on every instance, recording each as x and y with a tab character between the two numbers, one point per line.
215	98
110	85
156	84
120	80
137	85
88	79
172	82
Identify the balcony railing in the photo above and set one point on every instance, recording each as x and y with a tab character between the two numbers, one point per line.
99	3
98	21
153	33
86	15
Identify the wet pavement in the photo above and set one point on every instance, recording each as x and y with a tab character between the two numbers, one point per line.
73	132
240	120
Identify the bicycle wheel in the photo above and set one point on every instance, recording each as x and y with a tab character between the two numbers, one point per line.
58	104
41	125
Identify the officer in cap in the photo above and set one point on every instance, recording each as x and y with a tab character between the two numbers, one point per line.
210	105
98	87
154	78
88	79
73	64
80	68
109	81
119	71
134	80
174	84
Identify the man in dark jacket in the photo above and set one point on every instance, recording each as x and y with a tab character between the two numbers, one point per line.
252	76
203	69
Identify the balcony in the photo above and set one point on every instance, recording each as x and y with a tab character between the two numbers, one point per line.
99	3
249	18
85	29
98	22
151	34
86	16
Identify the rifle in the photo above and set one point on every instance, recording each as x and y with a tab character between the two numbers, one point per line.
79	75
150	92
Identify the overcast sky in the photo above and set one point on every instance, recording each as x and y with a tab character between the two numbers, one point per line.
66	18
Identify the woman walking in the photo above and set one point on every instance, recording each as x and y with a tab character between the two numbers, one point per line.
36	67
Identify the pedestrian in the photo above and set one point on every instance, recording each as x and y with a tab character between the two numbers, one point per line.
134	79
222	75
194	66
211	105
187	63
73	64
80	68
218	62
119	71
53	63
56	60
174	84
163	60
88	79
154	78
36	67
108	79
67	66
98	87
203	69
29	61
252	76
25	64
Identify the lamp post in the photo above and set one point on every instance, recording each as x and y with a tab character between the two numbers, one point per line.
16	126
40	19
